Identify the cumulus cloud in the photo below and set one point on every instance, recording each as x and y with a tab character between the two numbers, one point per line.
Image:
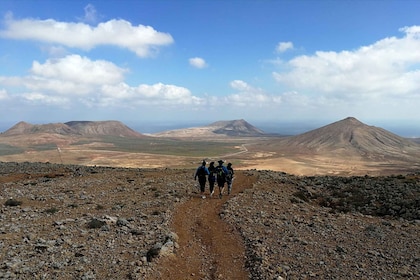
141	39
284	46
388	68
70	68
157	94
3	94
76	80
198	62
248	95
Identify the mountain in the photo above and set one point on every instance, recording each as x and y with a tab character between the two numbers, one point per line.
74	128
24	128
351	135
216	129
114	128
236	128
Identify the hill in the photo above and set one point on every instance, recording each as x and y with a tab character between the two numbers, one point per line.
74	128
236	128
352	136
112	128
232	128
344	147
24	128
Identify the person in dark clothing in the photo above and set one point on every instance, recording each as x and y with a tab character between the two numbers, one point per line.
201	173
212	177
221	172
229	177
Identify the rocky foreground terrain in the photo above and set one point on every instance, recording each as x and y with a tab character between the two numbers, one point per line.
79	222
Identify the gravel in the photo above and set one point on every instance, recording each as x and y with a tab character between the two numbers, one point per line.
80	222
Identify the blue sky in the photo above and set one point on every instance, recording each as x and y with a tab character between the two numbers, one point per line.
204	61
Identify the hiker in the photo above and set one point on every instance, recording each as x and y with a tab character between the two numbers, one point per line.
221	172
201	173
229	177
212	178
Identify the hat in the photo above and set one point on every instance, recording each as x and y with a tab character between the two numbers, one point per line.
211	163
220	161
204	162
229	164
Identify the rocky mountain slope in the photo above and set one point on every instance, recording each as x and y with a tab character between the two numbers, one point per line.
73	128
352	137
236	128
24	128
350	133
215	130
78	222
112	128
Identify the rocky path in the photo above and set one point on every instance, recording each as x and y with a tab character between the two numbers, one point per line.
209	248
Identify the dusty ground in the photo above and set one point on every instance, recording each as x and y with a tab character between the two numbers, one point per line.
208	247
263	228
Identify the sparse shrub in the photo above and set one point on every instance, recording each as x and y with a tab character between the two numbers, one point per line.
295	200
51	210
118	206
12	202
100	207
95	223
302	195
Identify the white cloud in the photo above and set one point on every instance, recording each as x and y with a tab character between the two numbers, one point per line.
90	13
284	46
37	97
250	96
70	68
75	80
3	94
157	94
387	68
241	86
198	62
72	75
142	40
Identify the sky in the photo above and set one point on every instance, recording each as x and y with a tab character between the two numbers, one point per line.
195	61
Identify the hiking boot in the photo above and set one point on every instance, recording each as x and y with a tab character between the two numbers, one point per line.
203	197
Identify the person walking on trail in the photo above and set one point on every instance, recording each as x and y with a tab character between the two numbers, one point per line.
201	173
229	177
221	173
212	178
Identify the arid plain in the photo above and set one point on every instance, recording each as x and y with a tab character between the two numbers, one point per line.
346	147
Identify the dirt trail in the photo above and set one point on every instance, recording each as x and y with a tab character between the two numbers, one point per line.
208	247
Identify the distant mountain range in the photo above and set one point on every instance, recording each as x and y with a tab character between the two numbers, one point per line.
346	145
345	135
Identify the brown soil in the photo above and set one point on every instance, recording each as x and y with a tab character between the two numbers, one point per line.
208	248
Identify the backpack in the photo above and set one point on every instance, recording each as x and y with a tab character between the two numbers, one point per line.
201	172
229	176
221	175
212	171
